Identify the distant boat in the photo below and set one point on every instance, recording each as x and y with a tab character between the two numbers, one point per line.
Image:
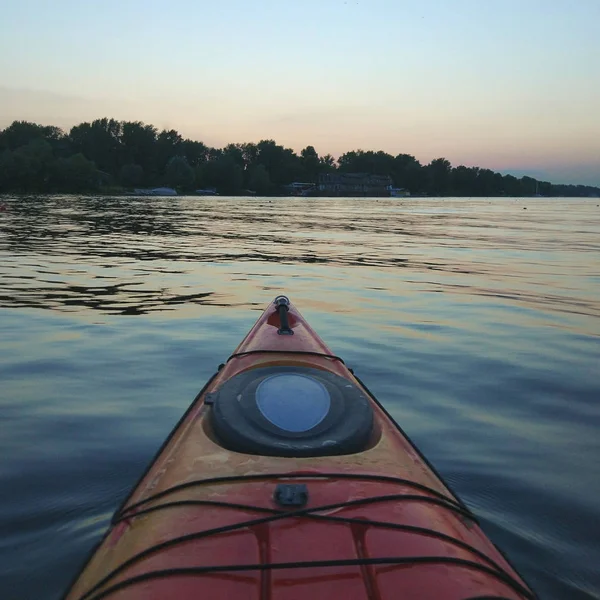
398	192
207	192
160	191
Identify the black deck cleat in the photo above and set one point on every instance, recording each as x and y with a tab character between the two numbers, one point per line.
291	494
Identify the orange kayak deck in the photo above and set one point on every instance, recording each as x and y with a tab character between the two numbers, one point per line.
206	521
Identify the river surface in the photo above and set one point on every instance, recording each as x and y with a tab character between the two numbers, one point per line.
475	322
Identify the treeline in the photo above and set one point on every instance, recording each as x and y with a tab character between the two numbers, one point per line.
108	155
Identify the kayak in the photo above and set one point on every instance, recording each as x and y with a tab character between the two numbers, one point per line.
286	479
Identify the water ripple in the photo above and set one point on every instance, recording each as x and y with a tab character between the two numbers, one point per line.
475	322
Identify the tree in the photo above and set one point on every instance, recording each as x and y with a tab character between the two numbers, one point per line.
259	181
528	186
195	152
131	175
138	145
222	173
408	173
100	142
250	152
511	185
27	168
75	174
463	180
236	153
168	145
21	133
282	164
359	161
41	158
327	163
311	163
7	169
179	173
439	176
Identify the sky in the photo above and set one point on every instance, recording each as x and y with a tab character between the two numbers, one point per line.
510	85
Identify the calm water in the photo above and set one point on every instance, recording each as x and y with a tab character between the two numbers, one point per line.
474	321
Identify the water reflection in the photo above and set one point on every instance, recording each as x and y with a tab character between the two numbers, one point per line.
474	321
136	255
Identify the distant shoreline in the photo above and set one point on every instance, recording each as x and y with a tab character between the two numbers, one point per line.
108	156
98	194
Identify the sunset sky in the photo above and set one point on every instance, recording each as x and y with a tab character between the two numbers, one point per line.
509	85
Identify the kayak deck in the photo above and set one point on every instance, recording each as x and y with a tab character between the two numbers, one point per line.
208	521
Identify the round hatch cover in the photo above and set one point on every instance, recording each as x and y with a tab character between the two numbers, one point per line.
291	411
293	402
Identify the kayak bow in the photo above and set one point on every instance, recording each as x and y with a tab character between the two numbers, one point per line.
287	479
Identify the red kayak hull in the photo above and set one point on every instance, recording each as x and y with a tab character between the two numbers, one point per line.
379	524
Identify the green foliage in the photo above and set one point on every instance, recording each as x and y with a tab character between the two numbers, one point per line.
327	163
235	153
195	152
39	158
75	174
26	169
311	163
439	171
137	146
359	161
178	173
281	163
21	133
7	168
131	175
222	173
259	180
99	142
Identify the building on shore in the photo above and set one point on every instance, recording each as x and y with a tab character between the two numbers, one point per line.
354	184
297	188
